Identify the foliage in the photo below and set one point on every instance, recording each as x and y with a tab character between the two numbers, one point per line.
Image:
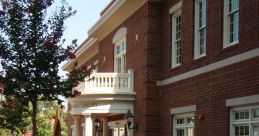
31	49
13	111
20	119
46	119
5	132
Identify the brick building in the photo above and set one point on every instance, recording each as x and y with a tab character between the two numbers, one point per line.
183	67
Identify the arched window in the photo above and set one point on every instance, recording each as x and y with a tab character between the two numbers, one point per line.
120	45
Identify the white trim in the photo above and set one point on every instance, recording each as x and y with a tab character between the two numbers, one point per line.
217	65
122	32
114	7
175	7
242	100
185	109
86	46
176	65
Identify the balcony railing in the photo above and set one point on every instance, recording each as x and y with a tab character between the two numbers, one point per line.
108	83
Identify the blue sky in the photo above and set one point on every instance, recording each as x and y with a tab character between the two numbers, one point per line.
88	12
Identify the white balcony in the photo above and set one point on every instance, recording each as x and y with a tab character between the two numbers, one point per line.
108	83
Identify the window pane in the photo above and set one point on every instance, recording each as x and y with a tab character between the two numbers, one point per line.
233	5
237	116
119	65
123	46
233	20
237	130
256	113
190	120
202	13
246	115
180	121
242	130
180	132
241	115
124	63
118	49
178	52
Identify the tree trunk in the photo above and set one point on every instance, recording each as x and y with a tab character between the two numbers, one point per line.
34	115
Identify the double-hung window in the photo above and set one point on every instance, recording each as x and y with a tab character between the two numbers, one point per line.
176	38
231	22
200	29
183	125
120	56
244	121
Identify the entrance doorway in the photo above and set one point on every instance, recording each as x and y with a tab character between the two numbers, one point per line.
117	128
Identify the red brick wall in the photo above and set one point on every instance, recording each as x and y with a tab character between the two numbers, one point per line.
249	36
150	57
144	58
208	91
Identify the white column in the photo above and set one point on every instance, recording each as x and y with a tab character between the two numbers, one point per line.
131	80
77	123
88	125
105	127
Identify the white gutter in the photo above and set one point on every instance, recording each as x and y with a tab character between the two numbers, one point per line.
86	46
115	6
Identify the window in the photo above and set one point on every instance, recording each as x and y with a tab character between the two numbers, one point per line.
183	124
244	121
231	22
176	38
120	56
200	29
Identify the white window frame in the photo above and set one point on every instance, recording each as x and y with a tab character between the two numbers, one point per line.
185	111
176	51
226	27
120	55
251	121
184	126
198	29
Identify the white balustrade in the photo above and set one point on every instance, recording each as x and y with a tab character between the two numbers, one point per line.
108	83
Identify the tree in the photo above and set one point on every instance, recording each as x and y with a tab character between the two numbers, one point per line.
31	49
